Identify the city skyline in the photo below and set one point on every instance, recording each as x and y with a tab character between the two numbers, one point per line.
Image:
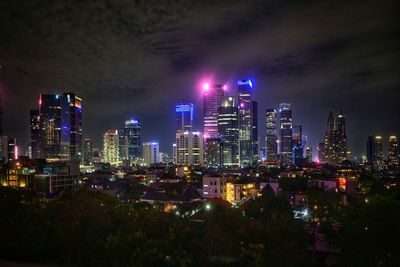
316	67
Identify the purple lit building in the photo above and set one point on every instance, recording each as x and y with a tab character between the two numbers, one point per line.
213	98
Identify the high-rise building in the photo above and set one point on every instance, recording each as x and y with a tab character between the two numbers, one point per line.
321	152
132	133
56	128
213	152
75	112
111	147
151	153
298	149
379	157
123	144
229	132
308	154
36	132
189	148
87	151
213	97
371	150
174	153
336	139
341	136
248	128
184	117
286	125
254	133
331	141
12	148
393	152
271	137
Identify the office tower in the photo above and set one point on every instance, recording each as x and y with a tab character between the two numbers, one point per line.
331	141
393	153
297	150
36	132
213	152
321	152
229	132
133	147
174	153
75	112
55	127
308	154
123	144
286	124
254	133
184	117
341	136
151	153
12	149
379	157
248	128
371	150
87	151
271	138
111	147
189	147
213	97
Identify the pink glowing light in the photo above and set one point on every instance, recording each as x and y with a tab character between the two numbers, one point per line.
206	86
242	105
16	153
224	87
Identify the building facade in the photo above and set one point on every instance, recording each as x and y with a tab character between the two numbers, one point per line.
271	137
189	148
228	129
286	125
111	147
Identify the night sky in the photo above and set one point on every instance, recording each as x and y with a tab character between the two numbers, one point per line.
138	58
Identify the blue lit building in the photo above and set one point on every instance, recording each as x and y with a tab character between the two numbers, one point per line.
248	128
132	135
184	117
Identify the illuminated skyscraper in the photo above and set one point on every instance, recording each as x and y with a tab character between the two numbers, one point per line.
213	97
87	151
285	119
132	133
75	112
379	158
308	154
271	137
321	152
36	135
189	148
213	152
248	129
341	136
174	153
229	132
297	149
184	117
111	147
331	141
151	153
55	127
393	153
